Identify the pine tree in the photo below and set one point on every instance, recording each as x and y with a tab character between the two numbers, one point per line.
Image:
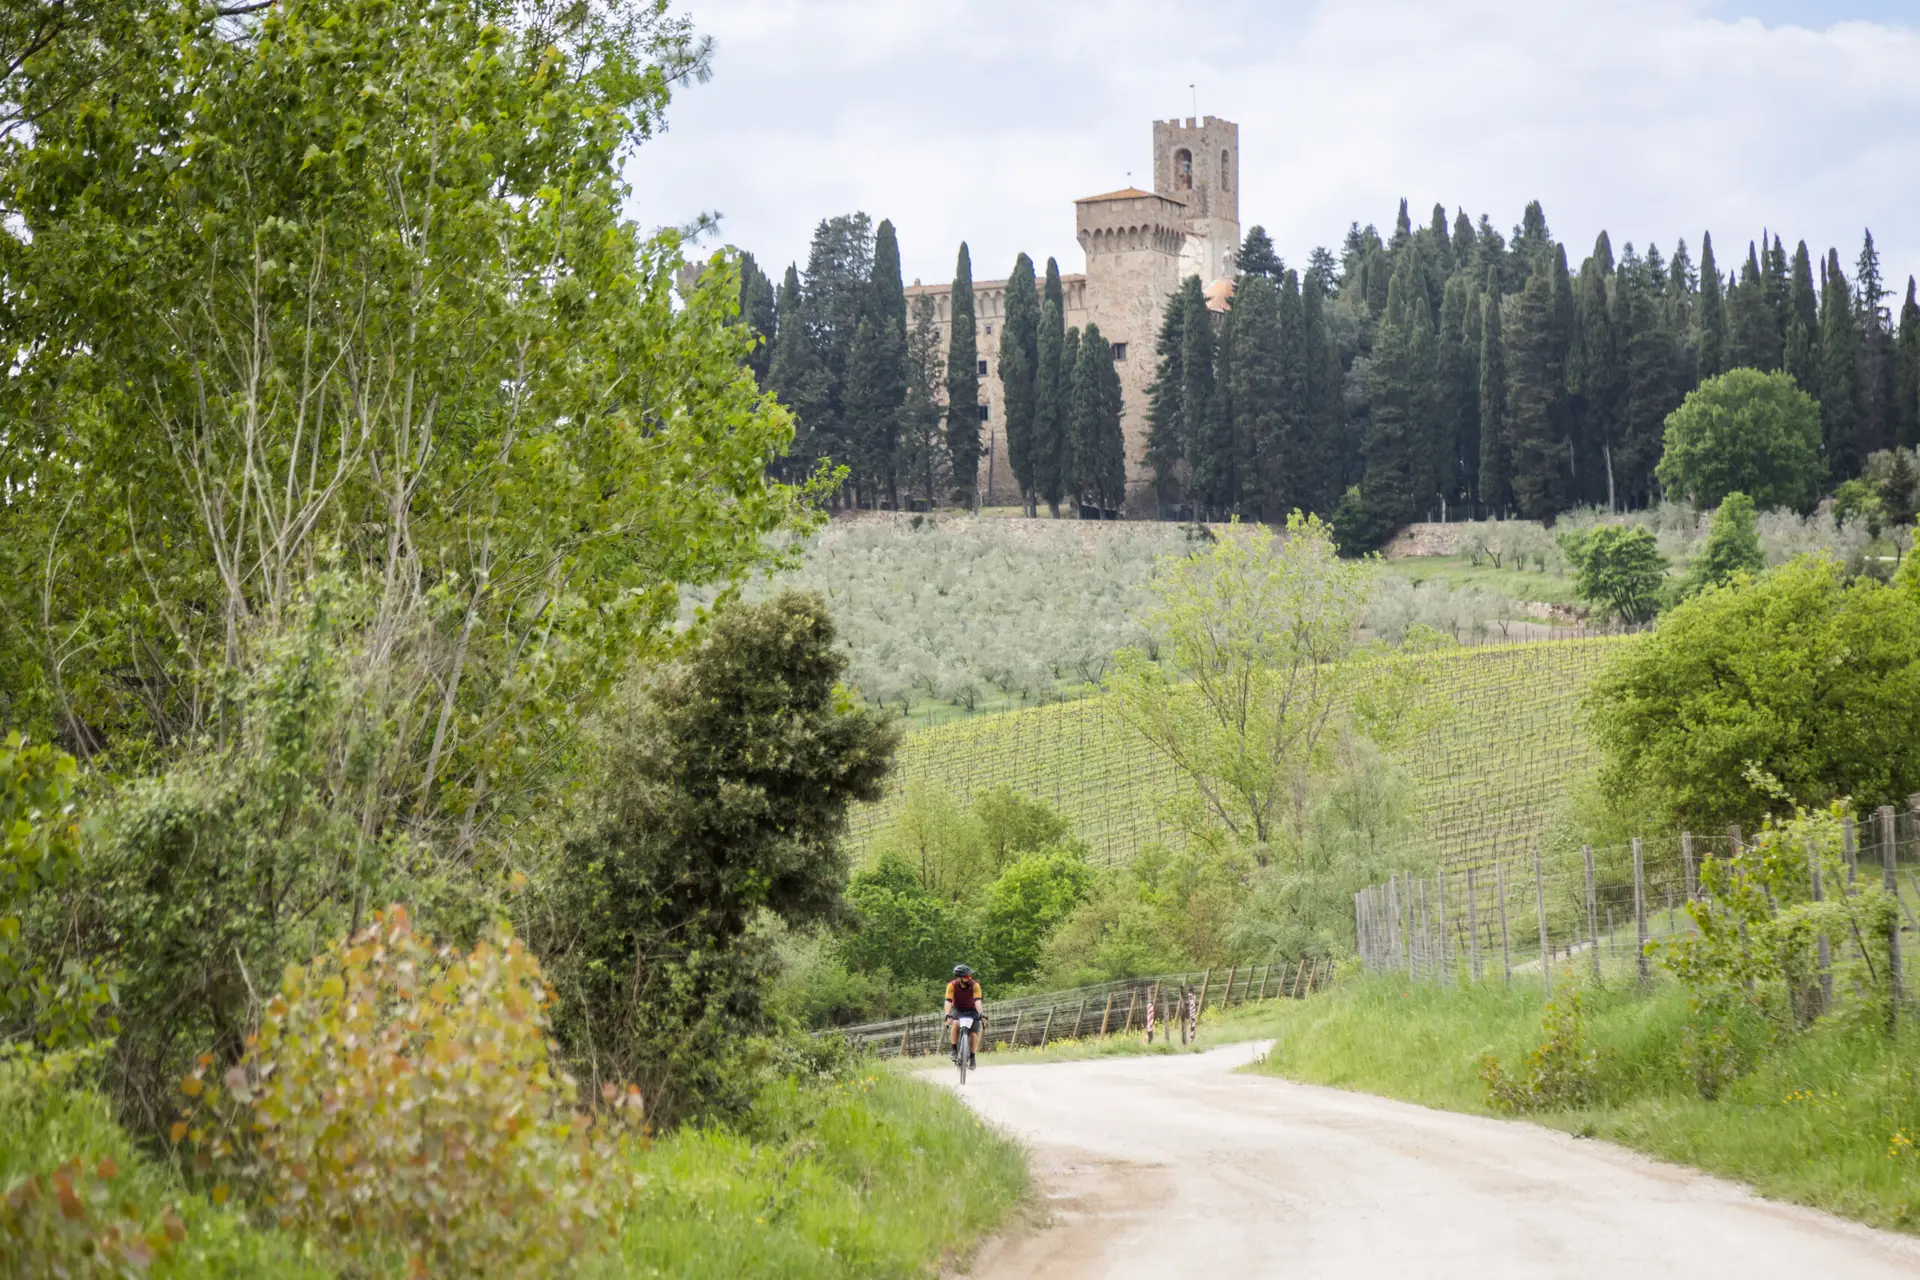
877	375
1839	374
1257	257
1166	411
1315	465
1496	459
835	297
1019	372
797	379
1876	385
1204	471
963	386
759	311
1906	392
1052	442
1710	341
925	465
1536	395
1399	479
1753	331
1801	353
1258	398
1323	271
1494	262
1099	447
1532	245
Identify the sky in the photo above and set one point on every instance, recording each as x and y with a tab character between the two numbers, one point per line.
983	121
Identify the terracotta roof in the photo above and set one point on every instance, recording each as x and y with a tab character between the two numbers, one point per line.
1220	295
1124	193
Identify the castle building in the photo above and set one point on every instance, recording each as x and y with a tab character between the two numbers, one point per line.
1139	245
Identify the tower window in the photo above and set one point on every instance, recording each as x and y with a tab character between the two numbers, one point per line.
983	368
1119	352
989	331
1226	171
983	413
1183	170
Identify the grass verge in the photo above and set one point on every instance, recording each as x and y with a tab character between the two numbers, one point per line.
882	1175
1828	1118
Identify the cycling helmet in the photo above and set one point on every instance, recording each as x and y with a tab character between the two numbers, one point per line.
961	971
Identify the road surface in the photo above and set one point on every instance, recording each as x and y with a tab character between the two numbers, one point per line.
1172	1167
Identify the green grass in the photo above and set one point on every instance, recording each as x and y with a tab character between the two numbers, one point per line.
884	1175
1456	571
1491	774
1828	1118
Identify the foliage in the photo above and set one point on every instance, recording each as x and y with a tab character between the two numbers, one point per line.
900	929
398	1102
1618	570
1744	431
1556	1074
1022	908
1732	546
725	785
1249	635
1811	677
56	1000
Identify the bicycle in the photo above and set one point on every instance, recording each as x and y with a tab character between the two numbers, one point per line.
962	1049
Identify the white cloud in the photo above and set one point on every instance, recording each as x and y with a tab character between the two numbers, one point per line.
984	121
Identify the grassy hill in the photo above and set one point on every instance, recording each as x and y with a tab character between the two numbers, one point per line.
1491	773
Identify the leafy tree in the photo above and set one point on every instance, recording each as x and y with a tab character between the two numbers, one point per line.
1019	374
1595	378
899	927
1495	460
1710	314
1250	635
1024	905
835	296
1316	463
725	791
963	387
1166	410
1618	569
1732	546
1746	431
1803	673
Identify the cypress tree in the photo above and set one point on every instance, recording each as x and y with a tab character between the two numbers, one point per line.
1402	227
1651	391
1801	352
963	386
1598	380
1536	393
1441	239
1710	341
1532	245
1455	399
1465	257
1166	412
1496	461
1323	271
1774	271
1282	474
1019	373
925	467
1839	374
836	296
1876	353
1216	481
877	374
1257	257
1490	251
1753	333
1052	443
1906	392
1316	465
759	311
797	379
1071	467
1399	479
1258	398
1196	397
1095	409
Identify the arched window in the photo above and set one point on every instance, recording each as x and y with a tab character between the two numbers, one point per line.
1226	171
1183	170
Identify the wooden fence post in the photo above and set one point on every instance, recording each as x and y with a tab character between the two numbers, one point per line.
1298	977
1825	953
1226	1001
1080	1018
1686	861
1640	913
1889	851
1106	1014
1206	980
1133	998
1506	951
1013	1042
1473	928
1593	918
1540	901
1046	1027
903	1040
1446	973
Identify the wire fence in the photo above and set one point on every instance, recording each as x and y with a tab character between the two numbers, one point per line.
1530	913
1110	1008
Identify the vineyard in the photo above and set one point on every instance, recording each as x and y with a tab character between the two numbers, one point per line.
1509	742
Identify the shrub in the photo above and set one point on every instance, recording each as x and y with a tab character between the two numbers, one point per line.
1744	430
1732	546
1618	570
1557	1074
398	1102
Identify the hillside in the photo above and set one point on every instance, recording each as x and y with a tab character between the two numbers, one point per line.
1490	773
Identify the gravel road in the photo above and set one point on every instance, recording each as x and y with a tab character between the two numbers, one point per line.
1176	1167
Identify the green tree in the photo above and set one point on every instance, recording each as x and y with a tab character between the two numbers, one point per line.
926	467
1263	402
1877	366
1800	355
1019	374
725	788
1257	257
1457	393
1052	439
1536	398
1495	460
759	311
1099	447
1906	381
1208	473
1732	546
900	928
1710	313
1753	325
1024	905
1595	379
963	387
796	376
1746	431
877	374
1839	373
1166	409
1651	391
1399	480
1617	569
1316	462
1250	636
1804	673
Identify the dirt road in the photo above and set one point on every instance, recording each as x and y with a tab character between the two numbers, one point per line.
1177	1167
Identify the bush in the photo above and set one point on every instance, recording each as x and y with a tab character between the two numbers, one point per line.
1746	431
1618	570
1558	1074
1732	546
398	1102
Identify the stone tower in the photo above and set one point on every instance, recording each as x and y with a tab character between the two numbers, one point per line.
1199	165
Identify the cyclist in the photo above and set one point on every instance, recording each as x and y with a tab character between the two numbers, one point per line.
963	996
